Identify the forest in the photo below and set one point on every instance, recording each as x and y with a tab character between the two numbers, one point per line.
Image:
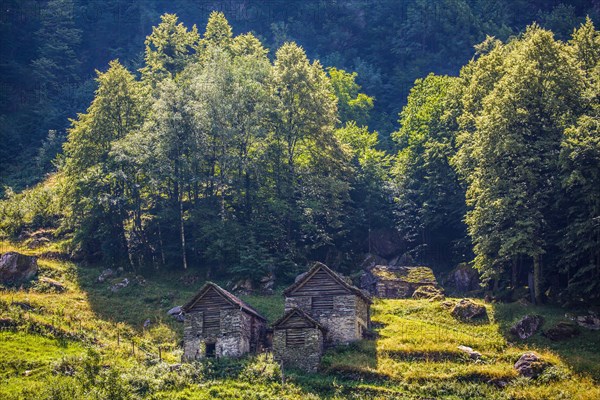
241	151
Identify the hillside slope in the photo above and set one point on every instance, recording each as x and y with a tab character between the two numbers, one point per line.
90	342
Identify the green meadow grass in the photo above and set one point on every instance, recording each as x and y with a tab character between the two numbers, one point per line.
90	343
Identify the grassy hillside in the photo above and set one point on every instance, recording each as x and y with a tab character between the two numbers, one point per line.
89	342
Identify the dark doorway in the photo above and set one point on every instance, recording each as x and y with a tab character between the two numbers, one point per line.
211	350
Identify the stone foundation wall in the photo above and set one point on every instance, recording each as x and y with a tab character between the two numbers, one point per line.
305	357
232	340
343	322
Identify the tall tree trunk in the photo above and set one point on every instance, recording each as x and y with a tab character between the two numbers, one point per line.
537	279
182	231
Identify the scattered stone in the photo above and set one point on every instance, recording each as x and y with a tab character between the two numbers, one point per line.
372	260
16	268
147	324
468	310
447	304
243	286
23	305
7	323
562	331
174	367
428	292
176	313
473	355
527	326
589	322
530	365
464	278
38	242
27	372
120	285
140	280
52	284
107	273
396	282
267	283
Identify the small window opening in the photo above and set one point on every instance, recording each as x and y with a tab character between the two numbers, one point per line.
211	350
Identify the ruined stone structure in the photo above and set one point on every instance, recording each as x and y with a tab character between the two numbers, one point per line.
344	310
298	340
218	324
396	282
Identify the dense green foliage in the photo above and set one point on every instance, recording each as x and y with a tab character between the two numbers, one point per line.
50	49
242	161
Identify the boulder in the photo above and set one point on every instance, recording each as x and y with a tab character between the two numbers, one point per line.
176	313
527	326
267	283
107	273
16	268
243	286
530	365
52	284
473	355
590	321
428	292
463	278
385	242
562	331
468	310
120	285
372	260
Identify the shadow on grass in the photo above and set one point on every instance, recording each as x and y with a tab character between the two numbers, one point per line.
581	353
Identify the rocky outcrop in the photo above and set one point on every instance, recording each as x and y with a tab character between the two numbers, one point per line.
396	282
468	310
463	278
590	321
53	285
177	313
120	285
473	355
107	273
428	292
527	326
562	331
530	365
385	242
16	268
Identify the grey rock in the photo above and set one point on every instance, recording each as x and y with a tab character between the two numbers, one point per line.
54	285
590	321
385	242
107	273
530	365
16	268
562	331
473	355
468	310
527	326
463	278
120	285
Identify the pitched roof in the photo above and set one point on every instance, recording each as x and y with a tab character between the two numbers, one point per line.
235	301
301	314
320	266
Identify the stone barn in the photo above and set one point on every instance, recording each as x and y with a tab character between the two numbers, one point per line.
298	340
344	310
218	324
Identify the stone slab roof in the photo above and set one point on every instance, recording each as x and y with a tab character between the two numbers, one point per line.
226	295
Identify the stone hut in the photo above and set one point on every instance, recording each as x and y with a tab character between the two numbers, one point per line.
396	282
298	340
218	324
344	310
